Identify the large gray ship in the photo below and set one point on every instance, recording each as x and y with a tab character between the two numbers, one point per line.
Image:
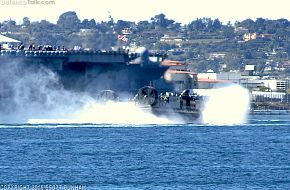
40	79
91	71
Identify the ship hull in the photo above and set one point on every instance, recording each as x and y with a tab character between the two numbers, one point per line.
183	116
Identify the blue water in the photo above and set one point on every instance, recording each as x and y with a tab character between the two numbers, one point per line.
248	156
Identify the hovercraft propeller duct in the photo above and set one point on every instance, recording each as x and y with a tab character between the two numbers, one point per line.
106	95
147	95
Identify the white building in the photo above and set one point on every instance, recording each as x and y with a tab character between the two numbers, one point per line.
264	96
177	40
211	77
275	85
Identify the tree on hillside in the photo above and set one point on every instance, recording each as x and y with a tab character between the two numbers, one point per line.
288	50
197	25
69	21
228	31
161	21
88	24
248	23
144	26
9	25
260	25
26	21
216	24
120	25
42	33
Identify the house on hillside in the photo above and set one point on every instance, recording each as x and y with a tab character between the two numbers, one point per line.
177	40
253	36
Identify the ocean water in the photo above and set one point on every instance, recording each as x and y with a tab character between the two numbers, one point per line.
254	155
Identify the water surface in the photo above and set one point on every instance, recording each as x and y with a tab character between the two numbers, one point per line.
192	156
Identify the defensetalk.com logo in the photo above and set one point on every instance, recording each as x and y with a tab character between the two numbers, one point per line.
27	2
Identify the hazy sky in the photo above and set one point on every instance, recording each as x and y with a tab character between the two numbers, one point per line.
182	11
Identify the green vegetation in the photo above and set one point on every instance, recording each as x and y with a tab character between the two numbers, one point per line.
204	43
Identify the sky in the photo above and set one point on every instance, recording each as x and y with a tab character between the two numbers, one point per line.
183	11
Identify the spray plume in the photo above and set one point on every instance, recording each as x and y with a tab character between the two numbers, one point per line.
34	94
107	113
226	105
